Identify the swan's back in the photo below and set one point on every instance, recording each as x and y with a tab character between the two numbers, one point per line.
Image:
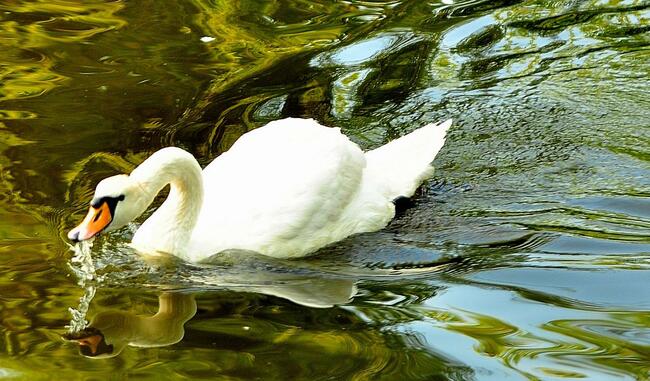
294	186
278	190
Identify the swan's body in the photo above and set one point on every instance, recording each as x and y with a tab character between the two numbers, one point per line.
283	190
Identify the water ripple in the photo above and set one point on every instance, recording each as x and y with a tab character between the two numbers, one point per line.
525	257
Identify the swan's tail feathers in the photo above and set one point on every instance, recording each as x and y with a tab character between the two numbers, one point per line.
399	167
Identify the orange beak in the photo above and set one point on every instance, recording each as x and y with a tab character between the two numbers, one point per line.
96	220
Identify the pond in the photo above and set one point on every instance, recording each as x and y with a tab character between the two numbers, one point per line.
526	257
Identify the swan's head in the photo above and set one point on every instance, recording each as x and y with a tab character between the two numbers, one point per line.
92	343
118	200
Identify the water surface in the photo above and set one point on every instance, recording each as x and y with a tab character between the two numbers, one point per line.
527	257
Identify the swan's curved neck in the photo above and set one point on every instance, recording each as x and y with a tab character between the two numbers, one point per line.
170	227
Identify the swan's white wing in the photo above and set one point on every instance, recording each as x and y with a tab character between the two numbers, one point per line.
280	190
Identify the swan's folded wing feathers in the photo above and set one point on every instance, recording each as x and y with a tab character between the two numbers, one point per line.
278	183
400	166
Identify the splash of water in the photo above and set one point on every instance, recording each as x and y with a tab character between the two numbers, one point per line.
82	262
83	267
78	321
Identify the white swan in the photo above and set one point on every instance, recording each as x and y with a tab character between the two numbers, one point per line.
283	190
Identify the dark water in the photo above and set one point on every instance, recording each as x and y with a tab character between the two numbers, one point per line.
526	257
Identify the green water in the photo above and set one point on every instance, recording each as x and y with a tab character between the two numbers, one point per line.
527	257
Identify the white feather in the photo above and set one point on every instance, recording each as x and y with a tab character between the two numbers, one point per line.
283	190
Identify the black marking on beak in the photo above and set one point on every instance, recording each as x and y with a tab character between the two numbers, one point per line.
98	215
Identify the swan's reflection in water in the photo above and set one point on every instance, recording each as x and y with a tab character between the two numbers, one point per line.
245	316
240	279
111	331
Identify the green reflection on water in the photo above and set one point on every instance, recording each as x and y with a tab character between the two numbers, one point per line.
525	258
